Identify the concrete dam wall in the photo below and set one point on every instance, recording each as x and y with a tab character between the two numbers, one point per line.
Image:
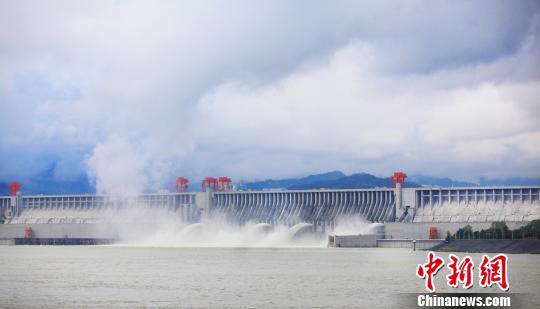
318	207
314	206
483	204
86	209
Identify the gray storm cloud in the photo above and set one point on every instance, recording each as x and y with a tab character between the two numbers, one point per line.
268	89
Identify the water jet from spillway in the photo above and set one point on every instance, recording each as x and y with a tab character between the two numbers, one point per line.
193	229
300	229
264	228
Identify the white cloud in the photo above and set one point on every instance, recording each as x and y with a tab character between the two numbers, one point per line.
347	108
272	89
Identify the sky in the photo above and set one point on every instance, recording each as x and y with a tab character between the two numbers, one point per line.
135	93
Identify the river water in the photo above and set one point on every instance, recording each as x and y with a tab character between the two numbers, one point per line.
133	276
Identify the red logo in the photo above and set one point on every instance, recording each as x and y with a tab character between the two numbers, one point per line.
494	271
460	271
491	271
429	270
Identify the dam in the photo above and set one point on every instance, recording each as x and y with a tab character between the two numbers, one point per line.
405	212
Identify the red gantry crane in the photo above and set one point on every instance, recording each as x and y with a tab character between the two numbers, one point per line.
182	184
398	177
209	183
224	183
14	187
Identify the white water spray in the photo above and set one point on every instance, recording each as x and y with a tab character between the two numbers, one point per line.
356	225
215	231
120	167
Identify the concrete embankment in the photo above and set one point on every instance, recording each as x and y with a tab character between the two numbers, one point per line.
490	246
378	241
57	241
61	230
